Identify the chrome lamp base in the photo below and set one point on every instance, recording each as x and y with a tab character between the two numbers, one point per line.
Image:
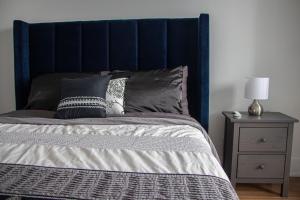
255	109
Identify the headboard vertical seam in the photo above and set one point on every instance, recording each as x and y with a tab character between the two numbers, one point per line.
54	47
167	43
108	67
108	46
80	48
137	44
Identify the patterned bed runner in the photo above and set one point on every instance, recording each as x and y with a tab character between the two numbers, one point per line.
59	183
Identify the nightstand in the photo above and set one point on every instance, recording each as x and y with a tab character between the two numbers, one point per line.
258	149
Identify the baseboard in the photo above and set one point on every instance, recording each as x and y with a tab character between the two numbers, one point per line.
295	167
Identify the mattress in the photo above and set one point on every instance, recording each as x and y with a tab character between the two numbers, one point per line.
136	156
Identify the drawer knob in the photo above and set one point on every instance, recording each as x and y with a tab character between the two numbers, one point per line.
262	166
263	140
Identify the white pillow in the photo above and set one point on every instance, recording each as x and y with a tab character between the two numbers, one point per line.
115	96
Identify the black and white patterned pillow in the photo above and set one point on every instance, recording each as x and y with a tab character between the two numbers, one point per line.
83	98
115	96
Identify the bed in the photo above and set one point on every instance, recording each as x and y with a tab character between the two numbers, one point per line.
139	155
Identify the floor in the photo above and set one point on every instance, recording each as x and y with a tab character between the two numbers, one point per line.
268	191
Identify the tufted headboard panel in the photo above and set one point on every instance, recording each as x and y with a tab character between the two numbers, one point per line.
134	44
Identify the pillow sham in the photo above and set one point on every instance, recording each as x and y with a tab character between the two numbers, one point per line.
162	90
45	90
115	97
83	98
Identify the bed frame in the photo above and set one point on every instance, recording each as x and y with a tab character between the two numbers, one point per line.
134	44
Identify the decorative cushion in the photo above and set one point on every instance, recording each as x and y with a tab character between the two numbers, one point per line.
115	96
83	98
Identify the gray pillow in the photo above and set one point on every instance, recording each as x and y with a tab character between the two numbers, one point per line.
45	90
162	90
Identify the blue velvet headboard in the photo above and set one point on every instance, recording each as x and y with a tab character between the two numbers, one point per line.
91	46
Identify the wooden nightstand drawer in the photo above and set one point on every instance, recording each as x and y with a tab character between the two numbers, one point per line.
260	166
263	139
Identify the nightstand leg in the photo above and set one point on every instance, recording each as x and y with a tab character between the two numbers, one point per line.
285	188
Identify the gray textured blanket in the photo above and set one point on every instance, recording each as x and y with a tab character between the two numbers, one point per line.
41	117
43	182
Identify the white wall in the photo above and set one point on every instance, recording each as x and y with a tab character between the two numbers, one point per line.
248	38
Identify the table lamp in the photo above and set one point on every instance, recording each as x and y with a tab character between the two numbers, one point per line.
257	88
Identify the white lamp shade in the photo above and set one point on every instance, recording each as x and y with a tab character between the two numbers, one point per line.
257	88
